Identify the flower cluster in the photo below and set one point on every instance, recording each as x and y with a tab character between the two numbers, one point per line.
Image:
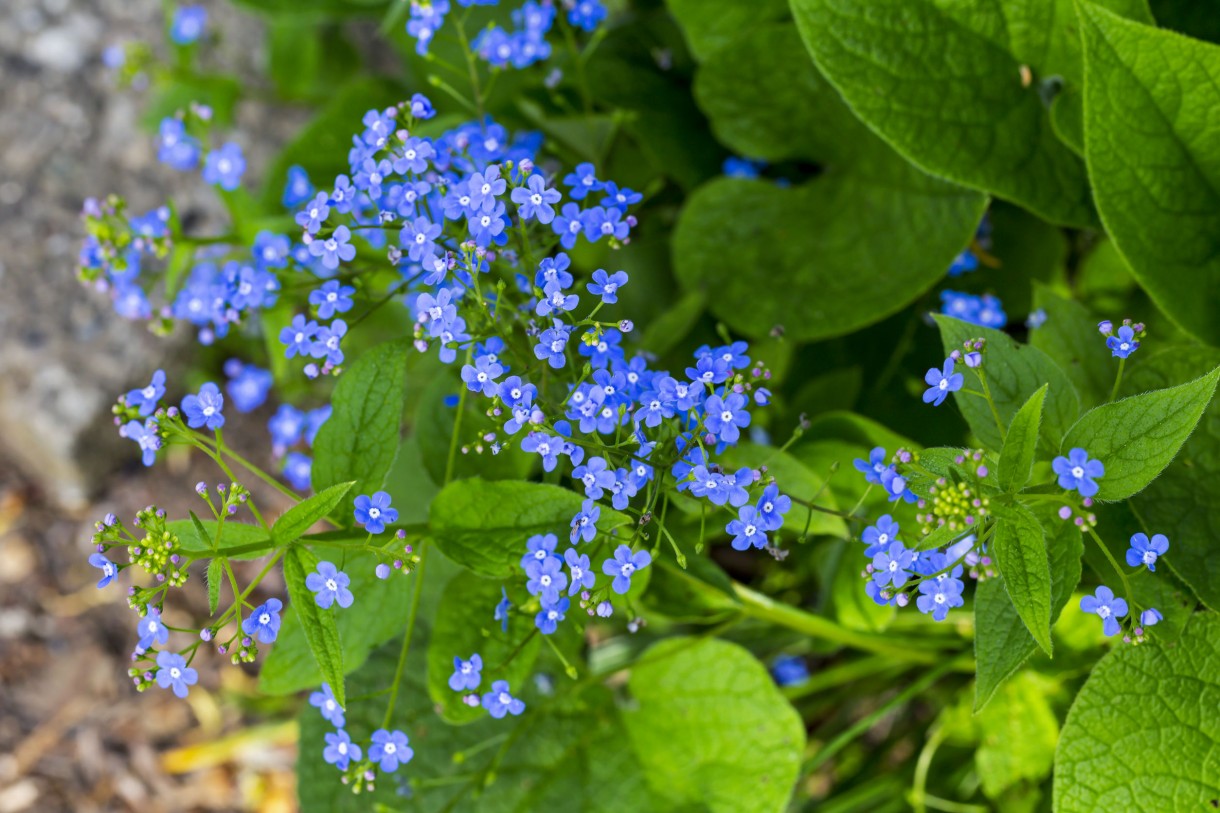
985	310
520	47
1123	342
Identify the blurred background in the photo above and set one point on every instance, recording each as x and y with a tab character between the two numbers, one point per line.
74	734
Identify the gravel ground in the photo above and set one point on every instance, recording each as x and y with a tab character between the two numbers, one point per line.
74	735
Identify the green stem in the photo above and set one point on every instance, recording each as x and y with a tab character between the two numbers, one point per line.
1113	563
995	413
922	766
1118	379
406	638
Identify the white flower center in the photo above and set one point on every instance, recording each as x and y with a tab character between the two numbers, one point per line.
1149	557
332	585
264	619
627	569
391	748
1103	611
1077	472
374	513
175	672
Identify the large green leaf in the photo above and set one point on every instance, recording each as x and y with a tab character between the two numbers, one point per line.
321	631
465	625
1017	736
1001	641
1019	551
1143	734
1014	373
901	65
484	525
1184	502
711	729
1153	151
360	439
712	24
234	534
837	277
1137	437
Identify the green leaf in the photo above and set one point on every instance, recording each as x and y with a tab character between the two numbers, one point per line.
319	625
484	525
853	607
1014	372
1070	337
898	64
1183	503
1018	732
711	729
1019	550
301	517
1137	437
464	625
1143	734
376	616
198	540
360	438
1151	147
823	281
1001	641
1020	444
713	24
666	332
215	576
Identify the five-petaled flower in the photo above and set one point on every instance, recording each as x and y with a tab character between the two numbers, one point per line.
325	702
1077	471
389	749
173	673
340	750
1106	606
205	408
375	512
330	585
466	675
941	383
1145	551
264	622
624	565
1124	344
499	702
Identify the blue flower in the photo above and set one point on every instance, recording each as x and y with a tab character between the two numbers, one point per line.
485	187
466	675
1077	471
515	392
332	298
547	446
334	249
594	476
606	285
205	408
501	611
1144	551
147	398
482	375
374	512
601	222
314	214
108	568
623	566
340	750
581	574
419	237
962	263
708	370
568	225
986	311
735	167
771	508
248	385
939	595
224	167
554	269
1124	344
539	548
891	567
620	198
790	670
329	585
297	188
188	24
747	529
726	415
297	470
299	336
175	147
499	702
584	524
551	614
145	434
536	201
546	579
325	702
172	672
413	156
487	226
874	466
583	181
264	621
389	749
554	300
941	383
1151	617
586	14
151	630
421	107
879	537
1107	607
